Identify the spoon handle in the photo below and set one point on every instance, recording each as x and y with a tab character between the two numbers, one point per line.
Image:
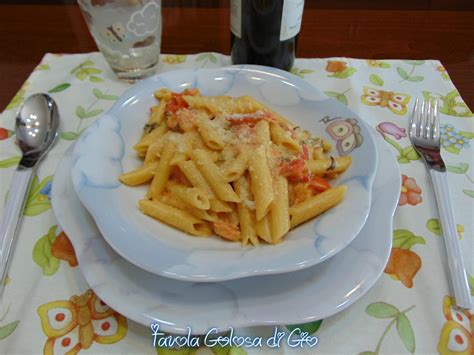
11	218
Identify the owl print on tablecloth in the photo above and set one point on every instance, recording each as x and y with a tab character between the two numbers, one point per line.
346	133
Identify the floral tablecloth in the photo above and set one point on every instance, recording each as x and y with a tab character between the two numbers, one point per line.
407	311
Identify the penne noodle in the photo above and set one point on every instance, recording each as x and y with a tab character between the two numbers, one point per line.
213	176
157	113
246	217
236	167
226	230
209	135
178	157
206	215
163	94
262	131
214	155
218	205
156	148
260	182
245	104
318	153
331	165
332	175
223	104
163	172
153	152
193	196
139	176
193	140
326	145
209	104
283	138
232	216
277	116
279	210
316	205
196	179
174	201
174	217
264	230
142	146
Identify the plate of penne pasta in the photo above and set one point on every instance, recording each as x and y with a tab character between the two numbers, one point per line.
285	299
218	174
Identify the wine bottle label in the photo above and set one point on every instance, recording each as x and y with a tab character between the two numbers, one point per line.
236	17
291	18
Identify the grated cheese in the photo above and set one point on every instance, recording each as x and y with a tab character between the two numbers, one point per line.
249	204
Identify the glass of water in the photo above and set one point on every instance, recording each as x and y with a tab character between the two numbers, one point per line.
127	32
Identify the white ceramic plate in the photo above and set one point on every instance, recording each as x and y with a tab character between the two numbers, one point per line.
263	300
104	151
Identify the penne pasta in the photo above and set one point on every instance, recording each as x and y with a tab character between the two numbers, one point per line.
264	230
245	104
223	104
196	179
318	153
178	157
316	205
236	167
192	139
279	210
246	217
209	135
282	137
331	165
193	196
163	94
226	230
261	182
232	167
213	176
174	217
156	148
174	201
219	205
157	114
153	152
277	116
142	146
262	132
326	145
163	172
139	176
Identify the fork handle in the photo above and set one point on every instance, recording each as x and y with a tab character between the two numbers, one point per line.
448	226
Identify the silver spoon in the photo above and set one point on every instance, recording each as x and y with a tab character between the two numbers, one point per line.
36	128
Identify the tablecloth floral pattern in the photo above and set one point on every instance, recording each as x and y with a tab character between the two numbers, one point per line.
409	310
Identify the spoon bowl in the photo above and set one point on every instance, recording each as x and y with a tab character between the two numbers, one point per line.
36	127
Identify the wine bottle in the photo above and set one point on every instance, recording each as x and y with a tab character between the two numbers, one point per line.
265	32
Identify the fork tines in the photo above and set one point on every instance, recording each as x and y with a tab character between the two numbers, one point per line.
424	122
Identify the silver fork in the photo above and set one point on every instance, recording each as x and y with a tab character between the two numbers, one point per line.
425	137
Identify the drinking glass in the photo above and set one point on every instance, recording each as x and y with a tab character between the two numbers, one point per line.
128	34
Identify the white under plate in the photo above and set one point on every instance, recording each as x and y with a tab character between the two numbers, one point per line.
104	151
263	300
